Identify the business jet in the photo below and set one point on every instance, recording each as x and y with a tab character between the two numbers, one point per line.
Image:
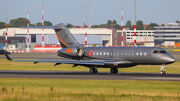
104	57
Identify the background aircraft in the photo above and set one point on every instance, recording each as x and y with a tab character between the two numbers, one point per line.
104	57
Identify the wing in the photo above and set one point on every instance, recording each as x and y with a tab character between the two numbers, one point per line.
82	62
79	62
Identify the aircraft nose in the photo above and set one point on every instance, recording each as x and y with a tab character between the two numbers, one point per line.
169	59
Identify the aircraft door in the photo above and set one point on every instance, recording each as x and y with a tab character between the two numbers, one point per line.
111	53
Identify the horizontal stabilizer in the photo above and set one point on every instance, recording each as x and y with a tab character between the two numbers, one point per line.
8	58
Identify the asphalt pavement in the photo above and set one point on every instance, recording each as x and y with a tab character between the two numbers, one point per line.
87	75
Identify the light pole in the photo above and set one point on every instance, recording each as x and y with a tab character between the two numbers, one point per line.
27	29
135	23
85	14
85	25
122	27
42	23
92	15
6	29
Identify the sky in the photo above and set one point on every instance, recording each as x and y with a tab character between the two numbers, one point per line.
71	11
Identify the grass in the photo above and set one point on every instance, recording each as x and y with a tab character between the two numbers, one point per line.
12	65
91	90
171	47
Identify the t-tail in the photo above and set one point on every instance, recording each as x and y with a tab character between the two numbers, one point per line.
65	37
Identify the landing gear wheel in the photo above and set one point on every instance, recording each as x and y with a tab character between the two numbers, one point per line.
163	72
114	70
93	70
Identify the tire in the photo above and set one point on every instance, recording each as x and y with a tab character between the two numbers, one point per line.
163	72
95	70
91	71
114	70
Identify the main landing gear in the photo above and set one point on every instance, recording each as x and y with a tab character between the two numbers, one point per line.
93	69
162	69
114	70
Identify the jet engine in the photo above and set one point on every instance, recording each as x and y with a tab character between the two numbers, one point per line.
72	52
79	51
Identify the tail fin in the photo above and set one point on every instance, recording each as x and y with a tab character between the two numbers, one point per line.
65	37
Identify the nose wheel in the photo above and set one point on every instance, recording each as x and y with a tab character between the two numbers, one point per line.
163	72
162	69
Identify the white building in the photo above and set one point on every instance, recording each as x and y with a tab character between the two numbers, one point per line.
169	32
142	36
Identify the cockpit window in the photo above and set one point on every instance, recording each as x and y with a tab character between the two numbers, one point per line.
162	51
156	51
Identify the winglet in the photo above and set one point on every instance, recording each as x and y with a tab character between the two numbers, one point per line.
8	58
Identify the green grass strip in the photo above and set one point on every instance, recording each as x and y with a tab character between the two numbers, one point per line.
90	90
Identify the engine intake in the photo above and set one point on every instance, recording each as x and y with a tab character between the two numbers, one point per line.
79	51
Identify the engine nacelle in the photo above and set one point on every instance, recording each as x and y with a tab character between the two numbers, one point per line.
71	52
79	51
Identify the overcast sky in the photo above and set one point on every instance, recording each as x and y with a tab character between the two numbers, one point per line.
71	11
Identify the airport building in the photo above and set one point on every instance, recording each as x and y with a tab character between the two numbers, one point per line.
142	36
170	33
98	36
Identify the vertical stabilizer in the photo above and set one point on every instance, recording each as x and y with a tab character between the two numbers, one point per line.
65	37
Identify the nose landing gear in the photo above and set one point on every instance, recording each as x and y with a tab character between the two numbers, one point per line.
162	69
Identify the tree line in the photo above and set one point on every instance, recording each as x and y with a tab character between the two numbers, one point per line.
22	22
113	24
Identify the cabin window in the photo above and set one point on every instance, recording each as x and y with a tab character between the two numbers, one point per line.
130	53
97	53
123	53
137	53
140	53
134	53
156	51
107	53
162	51
144	53
119	53
115	53
100	53
104	53
94	53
